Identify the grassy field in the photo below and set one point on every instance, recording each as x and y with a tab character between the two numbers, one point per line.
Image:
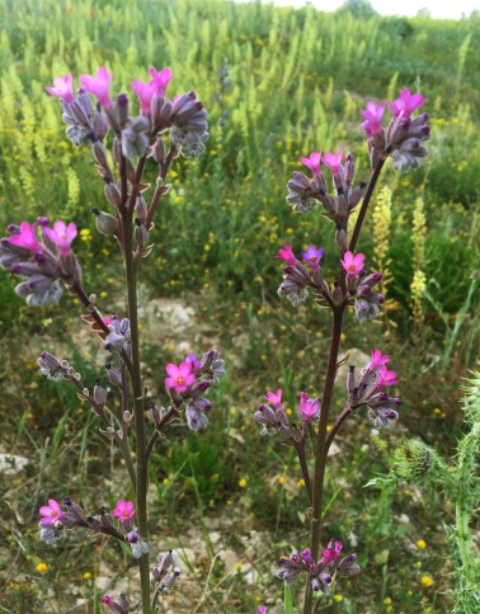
278	84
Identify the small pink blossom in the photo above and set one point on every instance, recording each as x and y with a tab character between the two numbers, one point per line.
262	609
144	92
353	264
334	162
286	253
51	513
312	256
62	87
331	554
275	398
377	360
160	80
313	162
386	378
62	235
124	510
406	104
308	408
180	378
99	86
107	600
373	118
27	238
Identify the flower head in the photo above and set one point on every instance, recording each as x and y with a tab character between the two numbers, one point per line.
373	118
313	162
27	238
160	80
124	510
62	87
62	236
99	86
386	377
275	398
308	409
334	162
406	104
144	92
331	554
377	360
353	264
286	253
179	378
51	513
312	256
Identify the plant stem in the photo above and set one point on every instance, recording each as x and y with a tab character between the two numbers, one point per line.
321	456
141	479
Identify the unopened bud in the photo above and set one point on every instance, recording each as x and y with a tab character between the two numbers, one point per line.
158	150
113	195
341	240
99	394
141	209
100	154
141	233
114	375
100	126
127	417
106	224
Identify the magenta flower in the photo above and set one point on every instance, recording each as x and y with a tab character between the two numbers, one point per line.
373	118
286	253
62	235
27	238
262	609
308	408
144	92
107	600
353	264
312	256
62	87
99	86
124	510
275	398
51	513
160	80
377	360
386	378
180	378
406	104
313	162
334	162
331	554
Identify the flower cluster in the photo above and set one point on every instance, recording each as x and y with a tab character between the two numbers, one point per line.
370	390
321	573
274	419
184	116
43	256
54	520
303	193
404	136
166	572
119	337
360	286
298	278
187	382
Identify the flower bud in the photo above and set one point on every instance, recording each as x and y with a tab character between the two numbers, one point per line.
106	224
113	195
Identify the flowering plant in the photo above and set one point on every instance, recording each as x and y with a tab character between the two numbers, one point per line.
41	255
353	286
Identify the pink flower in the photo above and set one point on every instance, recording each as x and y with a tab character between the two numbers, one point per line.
313	162
144	92
27	238
62	87
99	86
160	80
107	600
62	235
180	378
308	408
352	264
334	162
262	609
275	398
377	360
286	253
406	104
386	378
124	510
51	513
312	256
331	554
373	118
